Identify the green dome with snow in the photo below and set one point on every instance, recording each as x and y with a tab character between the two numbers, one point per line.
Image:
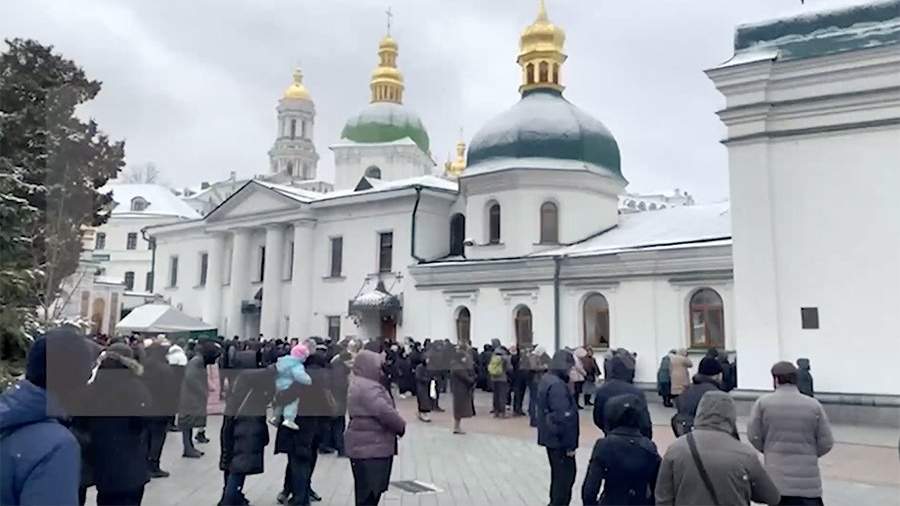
386	122
545	126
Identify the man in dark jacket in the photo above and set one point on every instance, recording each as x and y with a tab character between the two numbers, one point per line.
619	382
708	378
159	378
40	460
194	395
624	462
557	414
804	378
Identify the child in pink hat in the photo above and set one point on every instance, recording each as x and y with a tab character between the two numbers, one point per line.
290	370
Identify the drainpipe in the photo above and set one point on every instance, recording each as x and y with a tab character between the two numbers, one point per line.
412	241
152	242
557	264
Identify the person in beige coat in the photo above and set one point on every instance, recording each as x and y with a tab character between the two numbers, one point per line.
680	371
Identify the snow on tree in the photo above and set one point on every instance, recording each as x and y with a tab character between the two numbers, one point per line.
51	165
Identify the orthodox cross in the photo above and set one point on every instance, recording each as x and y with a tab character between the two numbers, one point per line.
390	16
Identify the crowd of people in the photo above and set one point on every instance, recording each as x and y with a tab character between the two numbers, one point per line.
95	413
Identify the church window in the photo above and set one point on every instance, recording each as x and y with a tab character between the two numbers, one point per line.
173	271
293	129
494	224
463	326
138	204
129	281
642	206
334	328
385	251
809	317
337	256
131	241
529	73
100	241
544	71
303	130
596	321
707	319
653	206
555	73
373	172
457	234
549	223
524	334
204	267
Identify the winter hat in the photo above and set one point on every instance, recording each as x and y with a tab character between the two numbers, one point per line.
709	366
300	351
783	368
65	354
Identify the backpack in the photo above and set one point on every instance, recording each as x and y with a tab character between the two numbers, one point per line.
495	366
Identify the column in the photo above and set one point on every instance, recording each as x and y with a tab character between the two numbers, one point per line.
270	319
212	297
302	280
240	277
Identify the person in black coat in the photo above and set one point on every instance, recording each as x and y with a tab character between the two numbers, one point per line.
244	433
423	389
484	358
708	378
160	380
557	415
625	462
117	405
619	382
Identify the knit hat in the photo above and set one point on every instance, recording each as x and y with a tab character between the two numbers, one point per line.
783	368
300	351
709	366
61	356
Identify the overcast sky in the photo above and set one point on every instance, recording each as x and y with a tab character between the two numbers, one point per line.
192	85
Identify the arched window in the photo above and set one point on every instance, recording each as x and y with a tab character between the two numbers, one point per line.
642	206
463	326
373	172
596	321
549	223
524	334
139	204
529	73
707	319
653	207
555	73
494	224
544	72
457	234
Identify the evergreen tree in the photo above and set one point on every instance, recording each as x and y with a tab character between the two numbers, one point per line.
51	166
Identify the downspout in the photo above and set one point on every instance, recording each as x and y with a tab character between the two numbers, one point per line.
557	261
152	242
412	241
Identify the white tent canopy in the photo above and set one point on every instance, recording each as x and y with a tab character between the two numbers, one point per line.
160	318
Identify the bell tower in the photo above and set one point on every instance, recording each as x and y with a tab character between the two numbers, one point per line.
294	154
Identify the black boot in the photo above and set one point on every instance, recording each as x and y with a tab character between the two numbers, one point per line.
201	437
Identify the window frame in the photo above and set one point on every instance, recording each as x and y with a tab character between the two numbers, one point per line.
173	271
329	320
585	319
203	269
336	268
521	315
457	235
129	286
495	222
386	252
100	241
131	241
545	237
705	309
460	313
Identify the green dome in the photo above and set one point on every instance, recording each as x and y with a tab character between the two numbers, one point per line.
386	122
545	125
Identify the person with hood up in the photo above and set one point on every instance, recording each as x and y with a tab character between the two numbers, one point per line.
625	462
40	459
793	433
804	378
664	379
375	425
159	378
557	416
680	371
116	406
710	465
498	371
244	433
708	378
194	395
290	370
620	369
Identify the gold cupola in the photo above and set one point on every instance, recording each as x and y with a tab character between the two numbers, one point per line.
387	81
457	166
541	53
297	91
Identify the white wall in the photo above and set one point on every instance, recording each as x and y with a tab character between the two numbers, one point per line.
399	160
121	259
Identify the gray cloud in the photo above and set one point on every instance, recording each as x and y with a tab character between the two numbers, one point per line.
192	86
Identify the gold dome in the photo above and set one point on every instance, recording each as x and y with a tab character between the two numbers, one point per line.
387	81
541	53
456	167
297	91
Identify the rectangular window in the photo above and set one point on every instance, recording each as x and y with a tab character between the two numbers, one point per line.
100	242
129	281
173	271
261	264
204	266
385	251
293	128
337	255
148	282
303	132
809	317
334	328
289	263
132	241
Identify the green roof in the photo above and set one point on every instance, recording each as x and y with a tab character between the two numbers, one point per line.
386	122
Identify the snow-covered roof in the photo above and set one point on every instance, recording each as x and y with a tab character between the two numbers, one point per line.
505	163
161	201
160	318
671	227
108	280
378	186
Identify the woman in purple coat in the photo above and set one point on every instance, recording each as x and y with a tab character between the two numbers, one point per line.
375	425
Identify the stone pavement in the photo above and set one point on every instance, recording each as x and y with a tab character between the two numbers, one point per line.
498	462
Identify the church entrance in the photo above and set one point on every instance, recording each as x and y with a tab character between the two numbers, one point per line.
389	328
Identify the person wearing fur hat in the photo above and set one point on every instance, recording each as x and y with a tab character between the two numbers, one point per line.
708	378
39	458
117	406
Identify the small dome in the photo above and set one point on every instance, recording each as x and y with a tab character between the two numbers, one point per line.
545	125
297	91
386	122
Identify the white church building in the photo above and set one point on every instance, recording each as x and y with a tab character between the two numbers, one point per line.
524	240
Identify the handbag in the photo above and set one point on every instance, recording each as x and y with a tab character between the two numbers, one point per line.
702	470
